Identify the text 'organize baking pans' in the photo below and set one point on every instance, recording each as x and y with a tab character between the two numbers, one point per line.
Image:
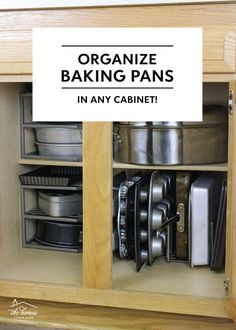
52	176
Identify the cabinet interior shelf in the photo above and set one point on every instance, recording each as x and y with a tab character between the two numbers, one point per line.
35	155
35	245
168	278
49	162
221	167
43	266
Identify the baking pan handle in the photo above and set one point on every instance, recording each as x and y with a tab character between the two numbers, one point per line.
168	222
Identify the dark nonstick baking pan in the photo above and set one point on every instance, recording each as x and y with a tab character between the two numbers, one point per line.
61	234
52	176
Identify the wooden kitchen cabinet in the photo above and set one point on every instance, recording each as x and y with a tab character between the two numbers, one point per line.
218	21
218	53
93	278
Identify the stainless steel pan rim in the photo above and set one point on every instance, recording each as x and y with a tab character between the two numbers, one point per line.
59	144
170	126
213	114
78	248
60	149
63	224
148	124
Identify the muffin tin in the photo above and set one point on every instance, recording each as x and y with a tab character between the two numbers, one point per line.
141	222
146	211
152	211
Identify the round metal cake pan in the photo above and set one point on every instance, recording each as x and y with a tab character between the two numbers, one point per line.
61	234
172	143
60	150
59	134
59	205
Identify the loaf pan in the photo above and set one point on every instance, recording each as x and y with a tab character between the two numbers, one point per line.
203	207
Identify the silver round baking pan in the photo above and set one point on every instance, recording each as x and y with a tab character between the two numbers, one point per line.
58	205
59	134
212	115
60	150
147	145
172	143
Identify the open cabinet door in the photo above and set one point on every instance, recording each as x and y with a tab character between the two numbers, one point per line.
230	279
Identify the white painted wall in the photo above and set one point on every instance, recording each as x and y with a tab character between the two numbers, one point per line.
21	4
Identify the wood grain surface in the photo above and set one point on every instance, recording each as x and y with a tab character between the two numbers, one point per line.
218	21
70	316
218	15
139	300
97	205
9	146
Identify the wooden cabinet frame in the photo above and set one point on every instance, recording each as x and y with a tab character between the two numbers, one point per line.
218	22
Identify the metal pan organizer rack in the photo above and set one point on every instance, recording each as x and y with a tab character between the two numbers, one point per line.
146	212
28	137
168	215
35	139
32	184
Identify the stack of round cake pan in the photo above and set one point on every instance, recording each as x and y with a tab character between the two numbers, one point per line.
172	143
59	141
